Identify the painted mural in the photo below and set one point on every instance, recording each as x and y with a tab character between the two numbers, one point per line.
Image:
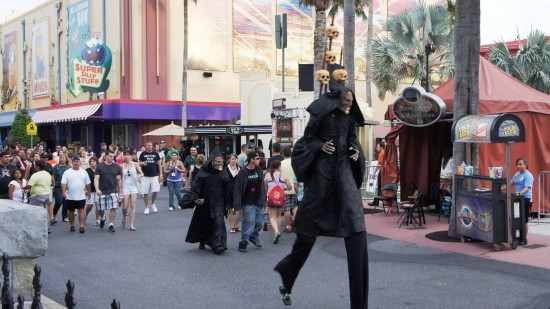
9	70
252	37
300	26
40	56
208	37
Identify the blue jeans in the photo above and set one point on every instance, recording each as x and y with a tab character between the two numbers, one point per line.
174	187
252	222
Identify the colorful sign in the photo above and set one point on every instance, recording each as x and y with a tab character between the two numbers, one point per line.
501	128
32	129
89	71
9	65
40	56
418	108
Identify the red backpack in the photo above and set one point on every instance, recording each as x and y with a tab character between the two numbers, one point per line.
276	195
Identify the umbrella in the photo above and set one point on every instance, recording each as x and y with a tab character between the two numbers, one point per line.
169	130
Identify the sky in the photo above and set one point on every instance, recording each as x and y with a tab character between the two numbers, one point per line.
500	19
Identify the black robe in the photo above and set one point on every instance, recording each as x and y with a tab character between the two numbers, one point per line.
332	203
208	224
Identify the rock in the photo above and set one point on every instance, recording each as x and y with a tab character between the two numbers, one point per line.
23	273
23	230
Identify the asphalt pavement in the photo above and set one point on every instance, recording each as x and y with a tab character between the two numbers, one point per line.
153	267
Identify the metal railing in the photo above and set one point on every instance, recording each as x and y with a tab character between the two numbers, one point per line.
543	194
7	294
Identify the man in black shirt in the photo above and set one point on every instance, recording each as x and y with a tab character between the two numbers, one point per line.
108	187
150	163
5	171
250	195
276	154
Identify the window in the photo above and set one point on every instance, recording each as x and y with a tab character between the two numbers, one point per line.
123	135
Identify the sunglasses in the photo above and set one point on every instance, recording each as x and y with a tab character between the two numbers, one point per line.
128	173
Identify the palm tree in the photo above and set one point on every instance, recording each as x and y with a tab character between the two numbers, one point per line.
368	54
184	64
466	98
531	65
401	54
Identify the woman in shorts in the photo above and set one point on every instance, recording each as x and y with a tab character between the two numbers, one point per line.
92	201
131	175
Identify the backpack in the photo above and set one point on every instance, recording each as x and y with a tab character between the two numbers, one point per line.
276	195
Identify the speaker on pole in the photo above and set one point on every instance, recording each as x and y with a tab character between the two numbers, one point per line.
305	77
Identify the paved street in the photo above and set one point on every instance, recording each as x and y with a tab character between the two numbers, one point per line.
154	268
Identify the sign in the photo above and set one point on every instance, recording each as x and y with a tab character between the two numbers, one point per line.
40	57
418	108
9	70
32	129
234	130
278	103
91	68
284	127
501	128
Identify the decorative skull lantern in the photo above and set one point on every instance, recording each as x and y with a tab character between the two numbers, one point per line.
340	76
330	56
332	32
323	76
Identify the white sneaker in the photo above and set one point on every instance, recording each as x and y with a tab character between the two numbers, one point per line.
171	208
96	222
146	211
154	208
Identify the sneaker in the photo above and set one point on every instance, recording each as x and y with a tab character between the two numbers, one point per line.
288	229
523	243
146	211
256	243
72	229
276	239
111	228
102	223
286	296
242	246
180	207
81	230
170	208
96	222
66	220
154	208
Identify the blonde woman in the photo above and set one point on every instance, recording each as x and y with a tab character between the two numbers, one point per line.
131	175
275	178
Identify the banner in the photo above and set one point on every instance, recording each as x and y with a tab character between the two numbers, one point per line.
79	32
9	65
252	37
40	56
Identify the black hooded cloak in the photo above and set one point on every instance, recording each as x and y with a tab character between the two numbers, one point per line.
208	224
332	203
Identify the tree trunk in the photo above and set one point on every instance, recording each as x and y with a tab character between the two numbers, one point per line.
184	64
368	54
466	99
349	41
319	43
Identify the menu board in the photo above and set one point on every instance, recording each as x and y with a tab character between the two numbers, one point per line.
501	128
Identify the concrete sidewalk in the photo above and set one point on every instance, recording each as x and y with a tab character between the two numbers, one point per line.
537	253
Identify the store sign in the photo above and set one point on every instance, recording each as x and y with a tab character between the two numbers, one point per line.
89	71
499	128
418	108
234	130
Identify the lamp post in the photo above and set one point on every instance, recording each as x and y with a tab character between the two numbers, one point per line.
428	49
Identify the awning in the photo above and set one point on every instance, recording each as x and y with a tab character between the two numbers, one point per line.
65	114
6	118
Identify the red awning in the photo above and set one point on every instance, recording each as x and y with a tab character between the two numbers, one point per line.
65	114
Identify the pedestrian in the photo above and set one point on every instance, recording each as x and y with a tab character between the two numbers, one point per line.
40	186
195	168
289	210
108	187
92	201
233	216
250	196
75	185
209	194
174	169
276	150
523	182
131	188
17	183
57	175
6	168
189	161
272	179
330	162
150	164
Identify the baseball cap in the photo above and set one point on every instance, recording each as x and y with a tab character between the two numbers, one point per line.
252	155
5	153
76	158
162	142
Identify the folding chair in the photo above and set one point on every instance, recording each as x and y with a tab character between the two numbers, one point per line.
408	215
388	198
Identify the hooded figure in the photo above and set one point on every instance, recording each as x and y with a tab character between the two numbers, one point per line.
209	192
330	162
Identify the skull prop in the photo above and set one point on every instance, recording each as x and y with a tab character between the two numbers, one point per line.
332	32
323	76
330	56
340	76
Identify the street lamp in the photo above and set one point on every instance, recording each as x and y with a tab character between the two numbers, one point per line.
428	49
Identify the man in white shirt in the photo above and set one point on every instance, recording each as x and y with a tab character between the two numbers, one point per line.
76	188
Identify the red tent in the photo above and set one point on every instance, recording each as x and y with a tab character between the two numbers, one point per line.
422	148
